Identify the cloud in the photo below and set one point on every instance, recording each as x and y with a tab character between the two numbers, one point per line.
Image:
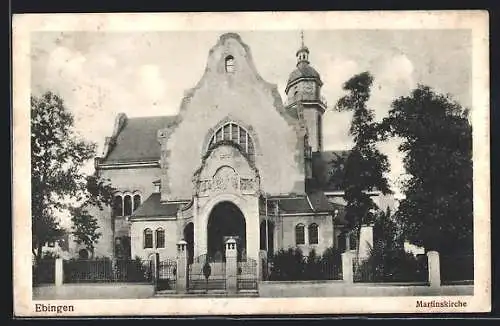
394	78
150	83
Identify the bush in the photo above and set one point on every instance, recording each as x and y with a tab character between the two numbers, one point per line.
288	265
291	265
391	265
331	263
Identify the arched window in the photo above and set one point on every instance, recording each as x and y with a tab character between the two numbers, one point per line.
118	206
127	205
137	201
229	64
313	233
148	238
235	133
300	234
160	238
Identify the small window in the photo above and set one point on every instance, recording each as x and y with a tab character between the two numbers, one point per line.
160	238
148	238
137	201
127	205
300	234
229	63
118	206
313	234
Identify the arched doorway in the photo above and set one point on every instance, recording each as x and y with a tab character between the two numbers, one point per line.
189	238
225	220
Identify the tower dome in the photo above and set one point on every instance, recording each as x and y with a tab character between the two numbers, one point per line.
303	70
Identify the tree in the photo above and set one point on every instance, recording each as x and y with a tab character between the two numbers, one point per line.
437	142
57	157
85	226
365	167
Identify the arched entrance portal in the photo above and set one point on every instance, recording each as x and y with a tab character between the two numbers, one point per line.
189	238
225	220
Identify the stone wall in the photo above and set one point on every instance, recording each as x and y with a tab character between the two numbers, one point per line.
137	238
325	232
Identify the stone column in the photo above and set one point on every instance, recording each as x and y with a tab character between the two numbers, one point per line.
231	266
59	272
434	269
182	268
347	272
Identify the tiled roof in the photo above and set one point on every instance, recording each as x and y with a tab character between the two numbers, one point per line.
295	205
314	202
137	140
152	207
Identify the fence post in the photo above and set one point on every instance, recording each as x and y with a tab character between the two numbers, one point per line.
347	267
181	274
231	266
434	269
59	272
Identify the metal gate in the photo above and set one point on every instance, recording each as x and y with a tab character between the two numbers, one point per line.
247	274
167	274
206	274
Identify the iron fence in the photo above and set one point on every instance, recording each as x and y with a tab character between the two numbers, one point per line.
107	270
43	271
391	269
206	274
456	268
247	274
167	274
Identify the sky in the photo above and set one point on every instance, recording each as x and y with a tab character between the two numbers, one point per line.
100	74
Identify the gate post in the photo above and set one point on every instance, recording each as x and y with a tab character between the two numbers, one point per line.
434	269
182	268
59	271
231	266
347	272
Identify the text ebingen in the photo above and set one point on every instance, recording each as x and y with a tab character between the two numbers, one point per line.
40	307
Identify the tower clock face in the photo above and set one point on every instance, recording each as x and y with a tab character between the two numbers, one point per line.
309	87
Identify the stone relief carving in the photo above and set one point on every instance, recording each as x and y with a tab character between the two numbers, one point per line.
225	179
247	185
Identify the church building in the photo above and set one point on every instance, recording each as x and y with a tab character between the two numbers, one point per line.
236	161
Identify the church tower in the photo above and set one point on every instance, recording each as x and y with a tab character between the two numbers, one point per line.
303	91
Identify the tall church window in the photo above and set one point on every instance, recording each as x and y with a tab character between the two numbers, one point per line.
235	133
118	206
300	234
229	63
160	238
313	233
137	201
148	238
127	205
